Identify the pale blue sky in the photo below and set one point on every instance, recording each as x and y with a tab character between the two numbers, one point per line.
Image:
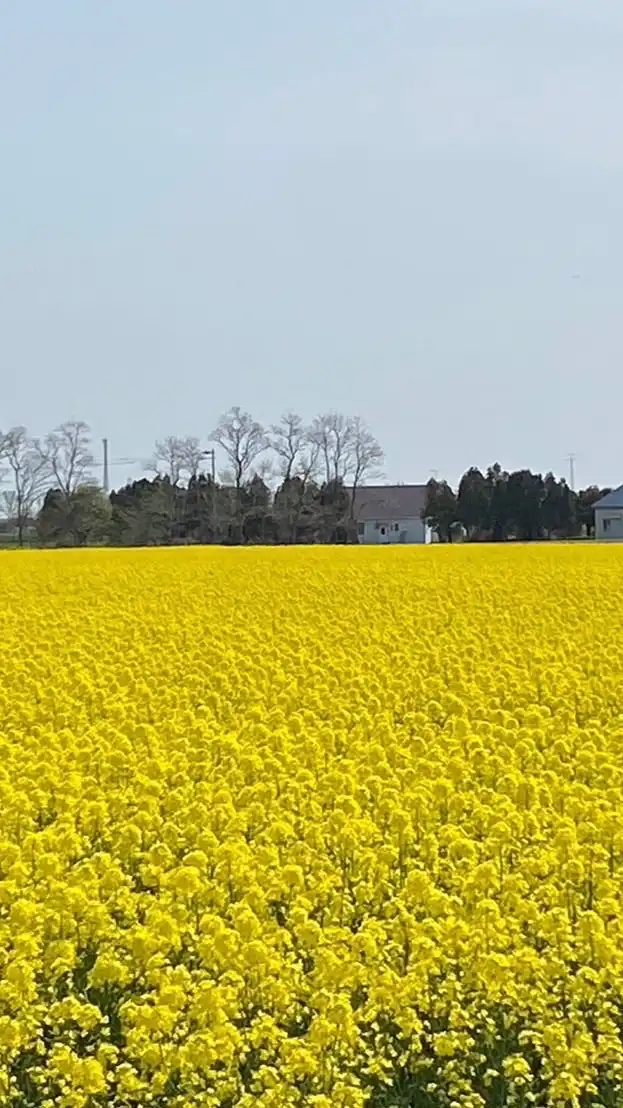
372	205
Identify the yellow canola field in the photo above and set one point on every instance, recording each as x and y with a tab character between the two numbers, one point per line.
325	827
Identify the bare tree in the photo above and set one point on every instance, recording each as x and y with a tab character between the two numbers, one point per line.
291	441
332	434
29	471
297	454
242	440
167	459
175	457
66	452
194	456
366	457
349	452
347	447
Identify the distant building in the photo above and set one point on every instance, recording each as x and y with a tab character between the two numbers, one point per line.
609	516
387	514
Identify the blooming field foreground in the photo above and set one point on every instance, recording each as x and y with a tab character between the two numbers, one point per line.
324	827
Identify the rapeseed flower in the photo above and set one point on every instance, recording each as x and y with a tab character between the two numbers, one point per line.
332	827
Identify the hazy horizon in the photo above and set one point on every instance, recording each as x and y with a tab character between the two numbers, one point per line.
405	212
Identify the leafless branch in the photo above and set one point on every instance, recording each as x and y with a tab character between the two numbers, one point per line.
242	440
296	449
366	455
29	471
176	457
332	435
66	452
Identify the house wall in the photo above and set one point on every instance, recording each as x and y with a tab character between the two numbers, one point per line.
395	531
609	524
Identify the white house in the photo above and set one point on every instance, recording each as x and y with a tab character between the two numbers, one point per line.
389	514
609	516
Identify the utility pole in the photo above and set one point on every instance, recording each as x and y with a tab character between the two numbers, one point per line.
572	458
106	477
211	454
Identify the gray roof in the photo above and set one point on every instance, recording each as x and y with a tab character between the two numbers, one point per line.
389	502
612	499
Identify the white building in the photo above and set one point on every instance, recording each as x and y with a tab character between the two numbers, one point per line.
387	514
609	516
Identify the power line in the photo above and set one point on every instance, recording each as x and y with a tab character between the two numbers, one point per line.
121	462
106	463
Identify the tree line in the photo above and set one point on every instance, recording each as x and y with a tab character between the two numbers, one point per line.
288	483
496	506
284	484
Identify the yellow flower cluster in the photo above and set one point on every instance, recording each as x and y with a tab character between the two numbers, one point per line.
311	827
